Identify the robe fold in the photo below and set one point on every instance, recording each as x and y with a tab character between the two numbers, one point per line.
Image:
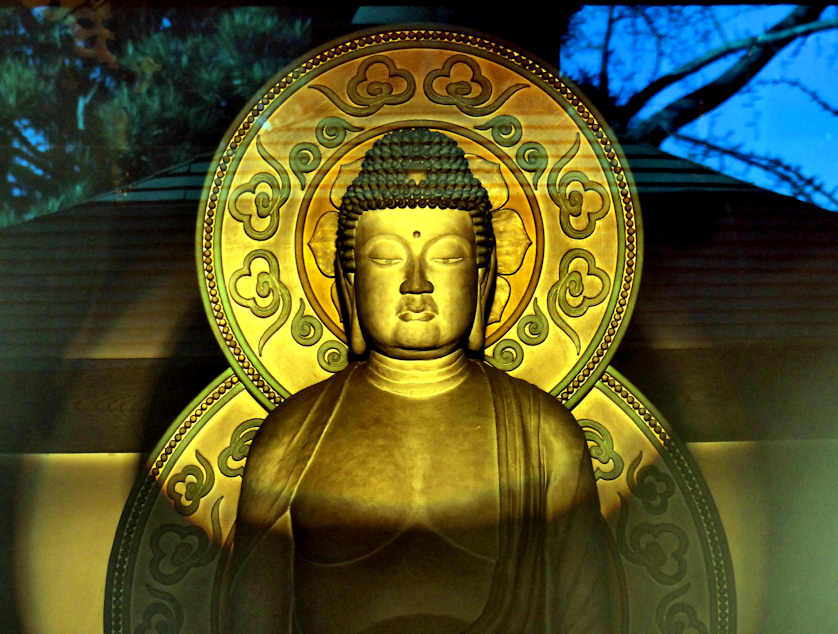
555	569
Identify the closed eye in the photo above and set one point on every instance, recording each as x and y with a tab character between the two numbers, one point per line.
387	261
447	260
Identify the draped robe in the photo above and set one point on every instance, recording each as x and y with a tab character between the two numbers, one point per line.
555	572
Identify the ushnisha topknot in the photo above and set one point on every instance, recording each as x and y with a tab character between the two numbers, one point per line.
388	180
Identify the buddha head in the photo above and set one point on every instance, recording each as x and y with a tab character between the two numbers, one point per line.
415	249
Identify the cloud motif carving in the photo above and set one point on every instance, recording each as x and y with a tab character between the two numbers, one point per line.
175	549
573	203
584	289
469	95
190	485
376	83
260	217
239	447
651	486
660	548
680	618
264	293
587	289
601	448
164	615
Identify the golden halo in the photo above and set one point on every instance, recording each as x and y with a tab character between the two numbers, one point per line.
563	206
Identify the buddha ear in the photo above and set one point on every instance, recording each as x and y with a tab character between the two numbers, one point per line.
351	324
485	288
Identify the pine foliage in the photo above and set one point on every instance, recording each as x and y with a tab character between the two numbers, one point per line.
74	123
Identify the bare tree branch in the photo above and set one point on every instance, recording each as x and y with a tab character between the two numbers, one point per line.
812	94
719	29
802	186
760	48
603	66
650	24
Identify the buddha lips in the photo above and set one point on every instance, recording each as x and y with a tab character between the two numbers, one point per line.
414	308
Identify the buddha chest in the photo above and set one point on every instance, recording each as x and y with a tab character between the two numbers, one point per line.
396	513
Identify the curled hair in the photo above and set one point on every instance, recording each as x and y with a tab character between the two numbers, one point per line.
386	182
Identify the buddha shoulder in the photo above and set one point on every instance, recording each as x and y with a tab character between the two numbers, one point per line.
284	439
561	439
285	421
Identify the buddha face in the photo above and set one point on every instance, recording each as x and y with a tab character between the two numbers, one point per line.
415	281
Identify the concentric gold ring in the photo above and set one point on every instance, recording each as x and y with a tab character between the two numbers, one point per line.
564	211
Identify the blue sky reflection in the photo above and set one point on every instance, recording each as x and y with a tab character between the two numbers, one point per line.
773	116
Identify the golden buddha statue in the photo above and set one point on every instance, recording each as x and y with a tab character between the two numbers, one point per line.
419	489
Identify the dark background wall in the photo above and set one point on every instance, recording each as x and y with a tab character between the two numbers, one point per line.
734	339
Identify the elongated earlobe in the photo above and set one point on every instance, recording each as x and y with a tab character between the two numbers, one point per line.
485	289
357	343
477	336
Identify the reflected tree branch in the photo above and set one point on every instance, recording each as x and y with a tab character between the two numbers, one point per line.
812	94
641	13
603	66
759	51
802	186
718	25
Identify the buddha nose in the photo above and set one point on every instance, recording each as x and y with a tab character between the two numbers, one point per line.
416	282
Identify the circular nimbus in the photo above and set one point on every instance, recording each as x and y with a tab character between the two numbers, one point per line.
564	210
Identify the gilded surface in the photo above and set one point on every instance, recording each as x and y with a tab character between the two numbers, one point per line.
557	294
675	569
563	208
